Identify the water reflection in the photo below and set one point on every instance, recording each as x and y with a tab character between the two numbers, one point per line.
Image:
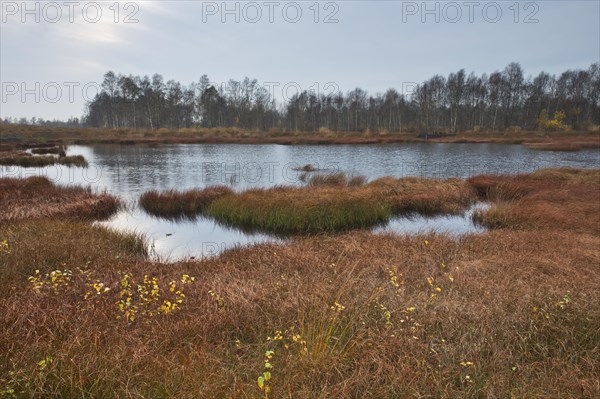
170	240
455	225
129	171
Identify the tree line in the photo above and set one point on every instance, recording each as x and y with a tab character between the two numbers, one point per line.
459	102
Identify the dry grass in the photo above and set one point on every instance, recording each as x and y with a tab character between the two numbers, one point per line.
336	179
72	160
562	199
567	144
527	322
176	204
555	141
508	313
38	197
59	150
36	134
556	146
18	158
33	135
424	196
48	245
324	179
38	145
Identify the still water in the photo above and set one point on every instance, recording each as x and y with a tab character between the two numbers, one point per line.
128	171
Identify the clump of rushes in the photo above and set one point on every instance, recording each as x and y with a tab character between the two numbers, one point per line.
334	179
72	160
177	204
339	205
287	210
59	150
329	203
26	160
338	179
424	196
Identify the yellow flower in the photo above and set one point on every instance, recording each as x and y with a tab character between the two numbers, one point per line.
337	307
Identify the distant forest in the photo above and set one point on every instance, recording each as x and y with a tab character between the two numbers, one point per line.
456	103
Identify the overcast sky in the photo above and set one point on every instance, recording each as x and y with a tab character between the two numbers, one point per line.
374	45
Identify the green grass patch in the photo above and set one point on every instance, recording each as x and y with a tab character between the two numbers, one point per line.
328	203
298	210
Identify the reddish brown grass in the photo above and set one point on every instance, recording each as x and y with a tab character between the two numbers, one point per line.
424	196
567	144
528	322
59	150
34	134
175	204
50	244
20	158
37	197
508	313
564	199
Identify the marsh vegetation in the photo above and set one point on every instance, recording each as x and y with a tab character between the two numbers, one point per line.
330	202
510	312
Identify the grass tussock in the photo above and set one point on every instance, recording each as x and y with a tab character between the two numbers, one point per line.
44	144
175	204
288	210
60	151
25	160
73	160
337	203
335	179
39	198
550	198
424	196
